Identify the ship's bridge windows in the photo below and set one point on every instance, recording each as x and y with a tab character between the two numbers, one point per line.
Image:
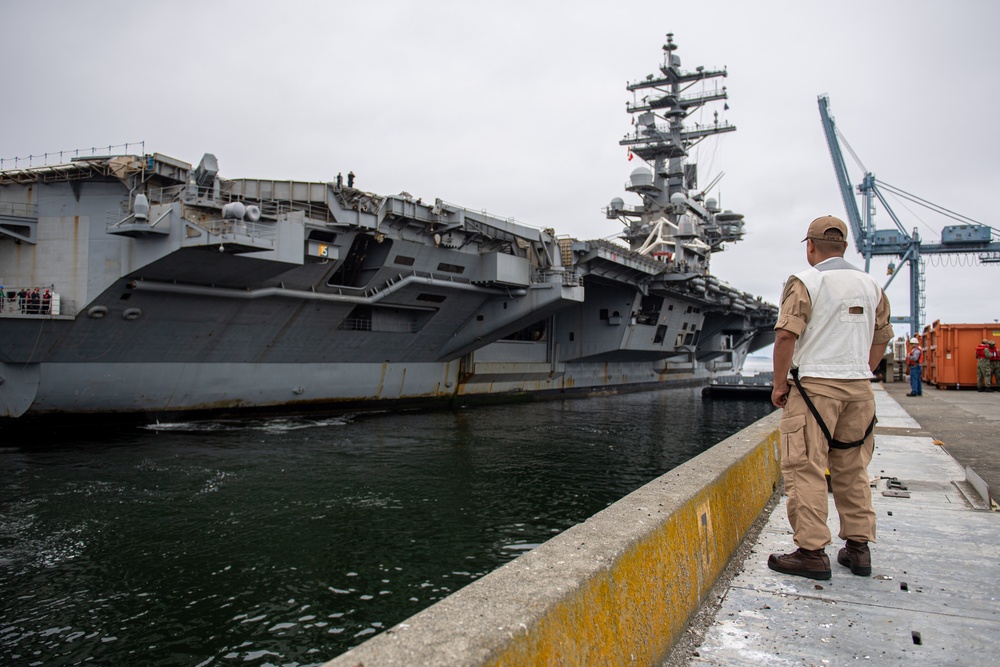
363	261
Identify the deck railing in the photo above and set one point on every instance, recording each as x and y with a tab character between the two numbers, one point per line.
61	157
33	301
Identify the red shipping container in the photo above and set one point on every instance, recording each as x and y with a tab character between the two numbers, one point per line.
950	352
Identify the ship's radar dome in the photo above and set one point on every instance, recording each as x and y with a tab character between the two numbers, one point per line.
712	204
642	176
616	204
677	198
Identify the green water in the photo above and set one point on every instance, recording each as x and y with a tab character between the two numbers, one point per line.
288	542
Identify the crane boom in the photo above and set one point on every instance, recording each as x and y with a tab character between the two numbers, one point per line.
846	190
964	238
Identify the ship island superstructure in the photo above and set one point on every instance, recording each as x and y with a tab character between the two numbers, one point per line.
141	286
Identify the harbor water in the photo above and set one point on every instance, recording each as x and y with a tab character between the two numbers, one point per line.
286	542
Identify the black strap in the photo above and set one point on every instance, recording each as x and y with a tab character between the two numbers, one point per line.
835	444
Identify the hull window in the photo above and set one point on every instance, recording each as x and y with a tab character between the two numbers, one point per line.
385	320
533	334
649	310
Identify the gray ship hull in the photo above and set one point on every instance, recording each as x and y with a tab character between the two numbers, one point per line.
140	286
171	352
155	391
222	361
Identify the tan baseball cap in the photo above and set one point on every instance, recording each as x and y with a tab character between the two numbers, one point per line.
827	228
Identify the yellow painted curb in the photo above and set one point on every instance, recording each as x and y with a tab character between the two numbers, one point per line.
618	589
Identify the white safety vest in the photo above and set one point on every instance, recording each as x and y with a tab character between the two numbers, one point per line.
838	337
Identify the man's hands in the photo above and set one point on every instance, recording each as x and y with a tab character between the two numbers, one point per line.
779	395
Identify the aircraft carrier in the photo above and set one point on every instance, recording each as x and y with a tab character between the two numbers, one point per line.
140	286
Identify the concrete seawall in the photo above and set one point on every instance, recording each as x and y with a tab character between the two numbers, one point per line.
617	589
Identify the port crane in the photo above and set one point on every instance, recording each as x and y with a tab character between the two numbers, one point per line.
969	237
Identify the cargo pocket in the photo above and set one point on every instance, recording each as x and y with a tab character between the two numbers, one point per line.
793	441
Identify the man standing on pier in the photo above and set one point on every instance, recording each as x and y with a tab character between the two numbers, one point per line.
916	361
994	363
984	362
832	331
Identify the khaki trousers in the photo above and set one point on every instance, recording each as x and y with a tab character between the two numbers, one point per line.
805	457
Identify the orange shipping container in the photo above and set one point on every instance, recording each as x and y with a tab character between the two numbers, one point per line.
950	352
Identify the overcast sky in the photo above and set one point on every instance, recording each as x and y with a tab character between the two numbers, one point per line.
517	107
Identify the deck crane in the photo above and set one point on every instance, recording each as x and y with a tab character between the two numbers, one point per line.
969	237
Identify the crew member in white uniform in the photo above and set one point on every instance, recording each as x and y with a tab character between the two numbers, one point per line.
832	331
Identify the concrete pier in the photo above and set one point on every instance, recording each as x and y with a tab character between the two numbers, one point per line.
934	594
669	576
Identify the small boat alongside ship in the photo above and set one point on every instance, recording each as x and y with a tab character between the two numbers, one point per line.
174	292
757	385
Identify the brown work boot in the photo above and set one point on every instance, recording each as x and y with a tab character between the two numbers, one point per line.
802	563
856	556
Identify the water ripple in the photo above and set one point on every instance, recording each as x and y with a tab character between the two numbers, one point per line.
285	542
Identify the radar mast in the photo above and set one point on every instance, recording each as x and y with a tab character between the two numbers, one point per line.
674	223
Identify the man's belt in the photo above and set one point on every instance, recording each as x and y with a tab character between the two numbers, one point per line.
834	444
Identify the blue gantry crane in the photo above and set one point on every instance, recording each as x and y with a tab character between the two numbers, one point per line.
969	237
